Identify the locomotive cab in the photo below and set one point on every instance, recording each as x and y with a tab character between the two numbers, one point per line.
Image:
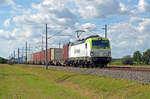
99	50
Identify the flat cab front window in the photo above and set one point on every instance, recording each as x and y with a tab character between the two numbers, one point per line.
100	44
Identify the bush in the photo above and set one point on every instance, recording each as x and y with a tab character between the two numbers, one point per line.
116	62
137	57
127	60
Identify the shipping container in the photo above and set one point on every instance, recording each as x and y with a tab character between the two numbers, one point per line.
42	57
56	55
49	55
20	60
39	57
24	59
30	58
65	52
36	58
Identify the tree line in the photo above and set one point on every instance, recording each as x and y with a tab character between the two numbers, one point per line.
3	60
137	58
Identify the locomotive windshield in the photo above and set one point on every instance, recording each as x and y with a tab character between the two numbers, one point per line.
100	44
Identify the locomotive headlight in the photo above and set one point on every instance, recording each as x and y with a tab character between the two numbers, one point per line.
92	53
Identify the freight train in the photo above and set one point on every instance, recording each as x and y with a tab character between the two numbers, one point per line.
93	50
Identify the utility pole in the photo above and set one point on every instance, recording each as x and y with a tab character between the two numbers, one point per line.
11	57
41	50
46	50
18	56
26	52
29	48
105	30
14	56
59	44
42	43
22	52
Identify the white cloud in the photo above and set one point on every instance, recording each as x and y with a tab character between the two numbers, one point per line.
144	6
6	35
123	9
4	49
6	2
31	24
127	37
123	44
7	22
136	20
129	0
53	12
100	8
89	27
144	26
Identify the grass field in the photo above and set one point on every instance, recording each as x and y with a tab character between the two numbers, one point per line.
25	82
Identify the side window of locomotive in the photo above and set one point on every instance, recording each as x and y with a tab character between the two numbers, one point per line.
85	45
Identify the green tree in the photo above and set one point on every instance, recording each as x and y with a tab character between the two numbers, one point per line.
3	60
146	57
137	57
127	60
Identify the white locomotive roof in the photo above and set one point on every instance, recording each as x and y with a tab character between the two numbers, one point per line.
82	40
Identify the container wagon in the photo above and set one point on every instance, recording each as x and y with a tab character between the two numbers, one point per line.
49	56
20	60
24	59
65	53
43	56
30	58
40	57
57	56
36	58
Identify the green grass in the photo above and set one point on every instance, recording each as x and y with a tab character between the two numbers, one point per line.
118	62
25	82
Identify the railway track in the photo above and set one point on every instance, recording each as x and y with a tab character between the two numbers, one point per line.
125	68
138	74
137	69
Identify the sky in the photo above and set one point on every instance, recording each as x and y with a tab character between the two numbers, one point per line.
24	20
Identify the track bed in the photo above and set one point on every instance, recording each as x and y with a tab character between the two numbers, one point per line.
131	73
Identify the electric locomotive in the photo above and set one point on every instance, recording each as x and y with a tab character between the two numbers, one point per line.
93	50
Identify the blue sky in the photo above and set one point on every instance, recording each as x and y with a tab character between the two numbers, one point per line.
24	20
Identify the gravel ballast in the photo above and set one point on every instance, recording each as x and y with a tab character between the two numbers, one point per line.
143	77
